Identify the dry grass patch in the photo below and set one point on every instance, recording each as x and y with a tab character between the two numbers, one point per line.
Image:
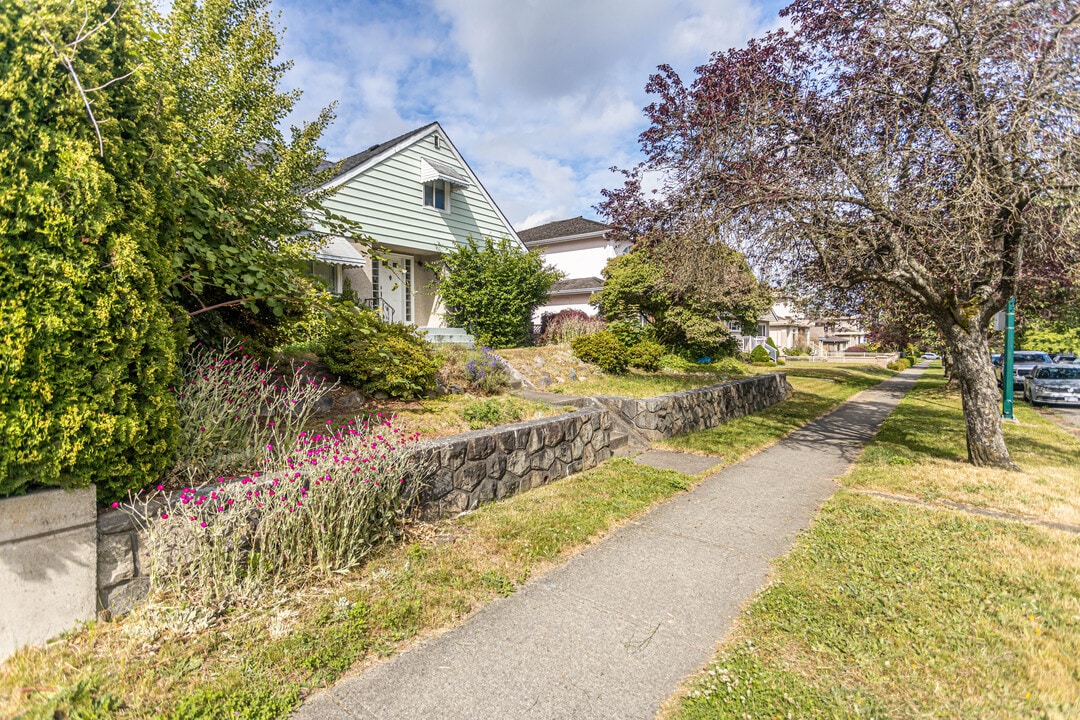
920	451
445	416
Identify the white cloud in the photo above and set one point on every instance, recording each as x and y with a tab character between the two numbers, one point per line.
540	96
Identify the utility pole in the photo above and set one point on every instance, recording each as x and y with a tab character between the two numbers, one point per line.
1007	362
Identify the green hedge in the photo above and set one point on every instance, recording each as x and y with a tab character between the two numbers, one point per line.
87	349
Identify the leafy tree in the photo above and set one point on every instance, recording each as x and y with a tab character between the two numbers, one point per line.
928	146
87	351
244	198
492	289
688	318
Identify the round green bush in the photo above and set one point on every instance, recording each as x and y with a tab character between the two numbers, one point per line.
645	355
377	356
760	355
601	349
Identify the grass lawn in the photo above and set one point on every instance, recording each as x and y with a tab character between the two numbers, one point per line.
887	609
818	389
177	661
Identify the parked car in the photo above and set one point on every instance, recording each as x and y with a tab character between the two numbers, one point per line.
1024	361
930	356
1065	358
1059	383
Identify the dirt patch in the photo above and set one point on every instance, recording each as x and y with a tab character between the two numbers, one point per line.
550	365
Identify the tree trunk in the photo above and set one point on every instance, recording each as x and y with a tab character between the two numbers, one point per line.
970	353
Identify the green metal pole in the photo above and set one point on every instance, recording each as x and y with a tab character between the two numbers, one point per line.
1007	362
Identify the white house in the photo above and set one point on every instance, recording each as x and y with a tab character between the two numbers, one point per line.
416	197
581	249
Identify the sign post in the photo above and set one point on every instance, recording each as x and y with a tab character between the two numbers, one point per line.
1007	362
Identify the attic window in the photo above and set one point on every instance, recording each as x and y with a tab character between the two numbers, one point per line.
438	143
437	195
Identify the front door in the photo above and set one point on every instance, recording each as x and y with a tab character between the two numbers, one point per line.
395	287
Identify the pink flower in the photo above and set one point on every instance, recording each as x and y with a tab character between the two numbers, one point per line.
116	505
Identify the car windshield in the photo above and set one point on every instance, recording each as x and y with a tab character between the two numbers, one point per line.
1058	373
1022	357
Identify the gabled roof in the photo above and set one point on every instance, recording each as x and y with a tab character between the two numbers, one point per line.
356	164
355	161
562	229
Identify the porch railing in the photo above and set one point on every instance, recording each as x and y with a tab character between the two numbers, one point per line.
385	310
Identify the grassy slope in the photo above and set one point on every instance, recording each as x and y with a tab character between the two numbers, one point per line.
886	609
178	661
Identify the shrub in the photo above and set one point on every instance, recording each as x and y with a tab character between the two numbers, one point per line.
87	346
378	356
763	363
759	355
234	412
627	332
856	349
486	373
677	363
798	350
491	412
772	343
493	289
562	327
645	355
334	498
602	349
901	364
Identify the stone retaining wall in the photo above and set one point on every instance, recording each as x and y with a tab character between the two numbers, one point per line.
459	473
699	409
470	469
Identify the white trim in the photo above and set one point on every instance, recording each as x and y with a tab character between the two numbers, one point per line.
339	251
435	170
448	189
562	238
416	137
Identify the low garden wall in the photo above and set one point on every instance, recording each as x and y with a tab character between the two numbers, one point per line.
48	563
699	409
464	471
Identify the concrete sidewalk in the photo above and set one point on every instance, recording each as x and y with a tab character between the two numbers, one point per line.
611	633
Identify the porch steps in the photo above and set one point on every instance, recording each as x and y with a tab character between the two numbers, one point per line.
456	336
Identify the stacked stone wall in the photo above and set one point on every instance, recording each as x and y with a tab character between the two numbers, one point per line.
699	409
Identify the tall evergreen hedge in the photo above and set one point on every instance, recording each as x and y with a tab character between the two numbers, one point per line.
87	348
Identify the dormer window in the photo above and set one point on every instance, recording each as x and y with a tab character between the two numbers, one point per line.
437	195
439	179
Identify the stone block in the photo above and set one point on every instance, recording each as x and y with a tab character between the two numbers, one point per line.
455	502
452	455
114	521
496	466
438	484
480	446
125	597
48	565
586	432
588	456
577	446
563	453
469	476
542	460
518	463
116	559
553	434
536	440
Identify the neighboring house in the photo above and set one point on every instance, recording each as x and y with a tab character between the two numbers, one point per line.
417	198
788	328
581	249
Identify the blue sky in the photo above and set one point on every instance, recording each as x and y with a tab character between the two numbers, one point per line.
541	97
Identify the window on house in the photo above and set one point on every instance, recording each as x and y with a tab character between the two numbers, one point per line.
437	195
330	275
376	291
734	326
762	329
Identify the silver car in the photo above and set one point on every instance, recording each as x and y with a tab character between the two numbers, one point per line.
1024	361
1053	384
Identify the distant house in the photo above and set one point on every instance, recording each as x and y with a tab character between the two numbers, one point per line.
580	248
788	328
418	198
